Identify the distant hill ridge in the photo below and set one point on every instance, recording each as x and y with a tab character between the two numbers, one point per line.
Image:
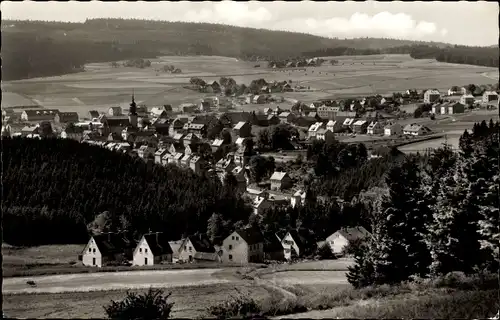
45	48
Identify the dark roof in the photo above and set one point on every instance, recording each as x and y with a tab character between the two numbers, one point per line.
201	243
68	115
272	243
94	113
158	243
354	233
251	235
297	237
117	121
112	243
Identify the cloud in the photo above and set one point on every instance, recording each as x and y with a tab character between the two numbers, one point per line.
382	24
228	12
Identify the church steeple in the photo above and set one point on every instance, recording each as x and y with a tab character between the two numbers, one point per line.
132	114
133	106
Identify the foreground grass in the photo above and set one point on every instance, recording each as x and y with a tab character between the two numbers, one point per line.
450	297
190	302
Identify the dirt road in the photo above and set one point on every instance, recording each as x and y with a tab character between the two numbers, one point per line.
114	281
306	277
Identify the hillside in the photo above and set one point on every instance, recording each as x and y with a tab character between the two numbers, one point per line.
53	188
65	47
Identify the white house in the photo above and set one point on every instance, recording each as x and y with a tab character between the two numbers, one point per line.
343	237
292	241
243	246
325	135
489	96
153	248
431	95
197	248
298	198
313	129
416	130
467	99
107	248
393	129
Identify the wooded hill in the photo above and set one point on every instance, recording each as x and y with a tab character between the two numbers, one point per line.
38	48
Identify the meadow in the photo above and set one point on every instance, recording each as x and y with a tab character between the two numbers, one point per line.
102	86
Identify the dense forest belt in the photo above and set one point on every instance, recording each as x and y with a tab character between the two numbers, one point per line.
59	186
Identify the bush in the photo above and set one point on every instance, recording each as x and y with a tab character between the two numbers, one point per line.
151	305
325	253
240	307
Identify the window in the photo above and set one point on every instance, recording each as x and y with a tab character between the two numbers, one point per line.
190	249
230	247
237	238
93	250
232	238
185	248
146	250
140	250
90	249
230	257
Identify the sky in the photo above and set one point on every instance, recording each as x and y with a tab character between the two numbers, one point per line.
467	23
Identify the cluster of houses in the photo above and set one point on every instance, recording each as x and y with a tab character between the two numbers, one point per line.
242	246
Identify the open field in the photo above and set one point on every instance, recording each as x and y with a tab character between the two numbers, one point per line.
106	281
189	302
102	86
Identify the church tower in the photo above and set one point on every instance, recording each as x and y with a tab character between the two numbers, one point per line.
132	114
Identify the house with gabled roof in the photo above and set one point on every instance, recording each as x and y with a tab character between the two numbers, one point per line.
196	164
431	96
108	248
273	249
360	126
345	236
467	99
334	125
416	130
375	127
115	111
455	108
94	114
197	248
244	246
243	129
393	129
176	126
39	114
325	135
489	96
296	243
280	181
153	248
348	122
159	113
260	204
259	99
286	117
313	129
186	159
66	117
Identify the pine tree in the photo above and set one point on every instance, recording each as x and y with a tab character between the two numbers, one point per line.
361	273
452	235
398	249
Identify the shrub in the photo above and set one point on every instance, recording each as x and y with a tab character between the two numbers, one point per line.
325	253
151	305
239	307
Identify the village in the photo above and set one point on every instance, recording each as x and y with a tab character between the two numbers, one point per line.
210	138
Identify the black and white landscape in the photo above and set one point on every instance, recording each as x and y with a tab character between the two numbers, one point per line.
250	159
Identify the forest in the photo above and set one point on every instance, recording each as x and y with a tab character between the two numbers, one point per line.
480	56
65	47
53	188
438	216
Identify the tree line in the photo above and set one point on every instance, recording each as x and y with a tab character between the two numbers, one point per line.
439	216
480	56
